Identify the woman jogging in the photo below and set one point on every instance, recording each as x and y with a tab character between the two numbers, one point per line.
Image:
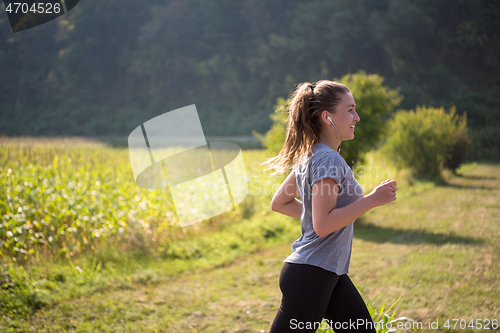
314	280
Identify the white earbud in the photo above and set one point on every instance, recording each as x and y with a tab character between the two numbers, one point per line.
328	117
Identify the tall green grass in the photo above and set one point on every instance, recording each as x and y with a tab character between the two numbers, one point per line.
68	199
65	197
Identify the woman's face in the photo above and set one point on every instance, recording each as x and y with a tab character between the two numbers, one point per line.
345	117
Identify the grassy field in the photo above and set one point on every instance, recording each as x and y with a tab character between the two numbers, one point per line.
435	247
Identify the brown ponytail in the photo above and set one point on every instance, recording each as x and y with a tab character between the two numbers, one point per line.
303	109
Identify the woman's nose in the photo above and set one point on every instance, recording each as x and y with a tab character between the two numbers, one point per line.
356	118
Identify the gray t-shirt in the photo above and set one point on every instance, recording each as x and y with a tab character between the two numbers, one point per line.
331	252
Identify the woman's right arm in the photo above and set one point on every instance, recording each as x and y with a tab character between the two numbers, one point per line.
327	219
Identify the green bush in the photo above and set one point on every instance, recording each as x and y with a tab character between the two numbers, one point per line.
424	139
373	102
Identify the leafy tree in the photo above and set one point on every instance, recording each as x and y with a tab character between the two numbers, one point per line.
421	140
105	67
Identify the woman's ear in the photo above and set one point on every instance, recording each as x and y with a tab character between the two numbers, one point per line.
324	115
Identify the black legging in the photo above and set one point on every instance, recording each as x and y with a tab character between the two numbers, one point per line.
312	293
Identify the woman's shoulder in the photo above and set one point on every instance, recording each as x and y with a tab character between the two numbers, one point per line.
323	154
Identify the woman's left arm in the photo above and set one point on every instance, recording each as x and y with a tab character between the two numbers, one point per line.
285	201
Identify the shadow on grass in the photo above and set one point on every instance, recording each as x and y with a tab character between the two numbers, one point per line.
476	177
439	181
377	234
469	187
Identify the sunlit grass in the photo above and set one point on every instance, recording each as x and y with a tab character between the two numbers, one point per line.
377	168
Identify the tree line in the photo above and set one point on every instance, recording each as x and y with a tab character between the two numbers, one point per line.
107	66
